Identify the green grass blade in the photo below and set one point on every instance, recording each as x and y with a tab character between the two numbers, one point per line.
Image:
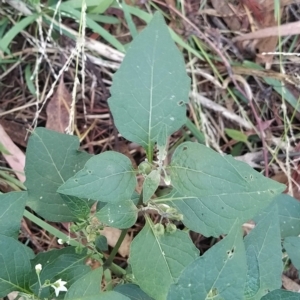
94	26
15	30
128	18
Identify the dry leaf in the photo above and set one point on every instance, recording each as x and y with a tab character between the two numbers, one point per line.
267	44
282	30
16	158
16	131
256	9
112	235
290	284
223	8
58	109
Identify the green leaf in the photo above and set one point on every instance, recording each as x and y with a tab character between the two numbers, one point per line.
289	214
111	295
107	177
51	159
16	29
292	245
15	266
132	291
236	135
214	190
218	274
153	81
265	238
253	275
87	285
101	7
101	243
63	264
157	261
12	207
120	215
80	208
29	81
281	295
150	185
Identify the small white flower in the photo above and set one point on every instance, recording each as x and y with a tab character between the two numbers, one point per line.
38	268
59	286
60	241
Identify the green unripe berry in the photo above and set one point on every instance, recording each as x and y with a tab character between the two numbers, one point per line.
171	228
145	168
159	229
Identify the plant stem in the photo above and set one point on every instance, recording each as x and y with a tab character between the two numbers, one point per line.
114	268
50	229
113	253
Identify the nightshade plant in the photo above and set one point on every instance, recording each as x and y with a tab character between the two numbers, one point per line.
209	193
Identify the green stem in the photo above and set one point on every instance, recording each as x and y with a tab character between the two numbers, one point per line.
51	229
115	250
114	268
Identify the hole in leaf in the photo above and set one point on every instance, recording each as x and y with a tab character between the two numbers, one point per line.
230	253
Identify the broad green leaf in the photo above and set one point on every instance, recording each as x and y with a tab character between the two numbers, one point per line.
80	208
289	214
292	246
15	266
281	295
107	177
253	276
157	261
265	239
63	264
150	185
12	207
87	285
214	190
218	274
51	159
236	135
111	295
132	291
150	88
101	243
120	215
147	17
